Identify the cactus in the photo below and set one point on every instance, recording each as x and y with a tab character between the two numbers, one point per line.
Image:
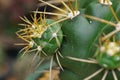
83	41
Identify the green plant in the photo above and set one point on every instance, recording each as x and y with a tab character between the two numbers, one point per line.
84	41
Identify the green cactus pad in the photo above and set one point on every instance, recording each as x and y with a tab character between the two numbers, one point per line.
51	39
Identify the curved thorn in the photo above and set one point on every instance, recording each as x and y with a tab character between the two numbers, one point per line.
82	60
114	75
113	12
105	75
94	74
22	37
110	34
44	53
50	73
59	62
31	50
26	49
36	54
60	54
57	41
39	63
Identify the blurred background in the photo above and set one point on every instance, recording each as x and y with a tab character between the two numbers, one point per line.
10	11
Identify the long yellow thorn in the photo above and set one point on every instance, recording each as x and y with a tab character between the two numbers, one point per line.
100	20
54	6
67	7
94	74
50	13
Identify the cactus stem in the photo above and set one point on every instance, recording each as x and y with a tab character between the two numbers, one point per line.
94	74
83	60
54	6
114	75
105	75
101	20
59	62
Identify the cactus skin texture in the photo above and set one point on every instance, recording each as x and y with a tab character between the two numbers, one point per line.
88	40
